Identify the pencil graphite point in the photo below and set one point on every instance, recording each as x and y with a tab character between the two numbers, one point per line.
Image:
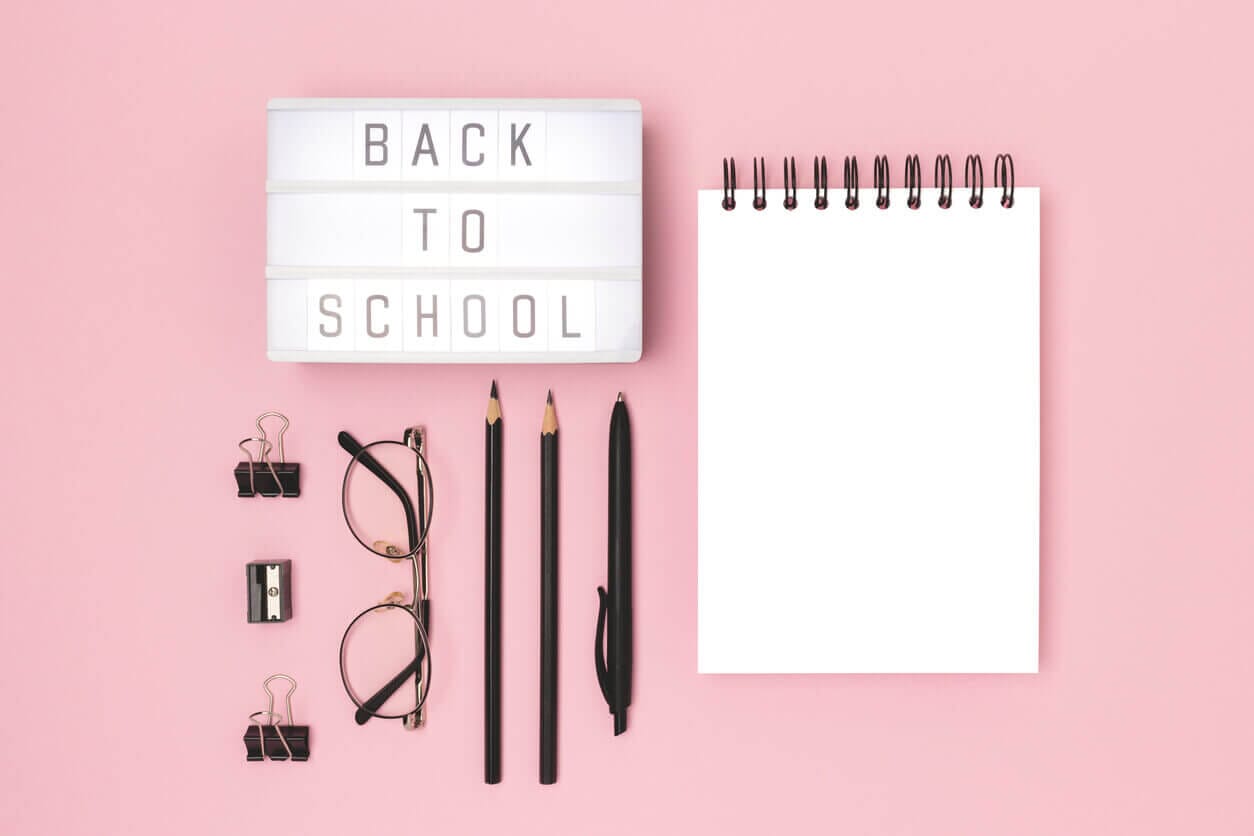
620	397
549	399
492	394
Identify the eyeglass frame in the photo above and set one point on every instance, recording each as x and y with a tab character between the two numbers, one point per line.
419	526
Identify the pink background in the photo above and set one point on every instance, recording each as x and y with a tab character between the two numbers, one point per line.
132	210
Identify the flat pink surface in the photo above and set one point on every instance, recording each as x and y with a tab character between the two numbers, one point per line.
132	215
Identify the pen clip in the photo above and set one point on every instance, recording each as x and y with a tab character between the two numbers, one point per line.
603	674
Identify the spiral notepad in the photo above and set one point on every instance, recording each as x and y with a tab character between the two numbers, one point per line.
868	428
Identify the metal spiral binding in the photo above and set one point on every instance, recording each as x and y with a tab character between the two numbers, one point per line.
942	181
820	184
759	198
790	183
1002	165
881	182
851	183
974	169
914	182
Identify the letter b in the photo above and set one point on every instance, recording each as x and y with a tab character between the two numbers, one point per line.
376	138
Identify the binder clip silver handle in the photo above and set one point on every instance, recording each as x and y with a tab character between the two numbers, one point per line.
277	479
294	739
266	685
282	431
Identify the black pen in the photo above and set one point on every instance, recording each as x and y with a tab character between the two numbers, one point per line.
614	627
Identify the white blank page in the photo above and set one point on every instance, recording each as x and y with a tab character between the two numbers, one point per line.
868	436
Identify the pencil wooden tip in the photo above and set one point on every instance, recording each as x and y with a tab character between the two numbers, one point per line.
550	417
494	406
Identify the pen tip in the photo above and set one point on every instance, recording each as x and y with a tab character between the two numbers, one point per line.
620	397
549	399
492	394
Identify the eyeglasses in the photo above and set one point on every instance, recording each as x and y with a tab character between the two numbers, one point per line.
387	498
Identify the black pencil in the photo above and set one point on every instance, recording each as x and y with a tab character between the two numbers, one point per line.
548	594
493	429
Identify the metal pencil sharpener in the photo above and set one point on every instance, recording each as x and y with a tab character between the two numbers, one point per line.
269	590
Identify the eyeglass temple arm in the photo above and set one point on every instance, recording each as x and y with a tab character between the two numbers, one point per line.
367	709
355	449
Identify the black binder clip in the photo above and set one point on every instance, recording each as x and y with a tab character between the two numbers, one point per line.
275	740
261	475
